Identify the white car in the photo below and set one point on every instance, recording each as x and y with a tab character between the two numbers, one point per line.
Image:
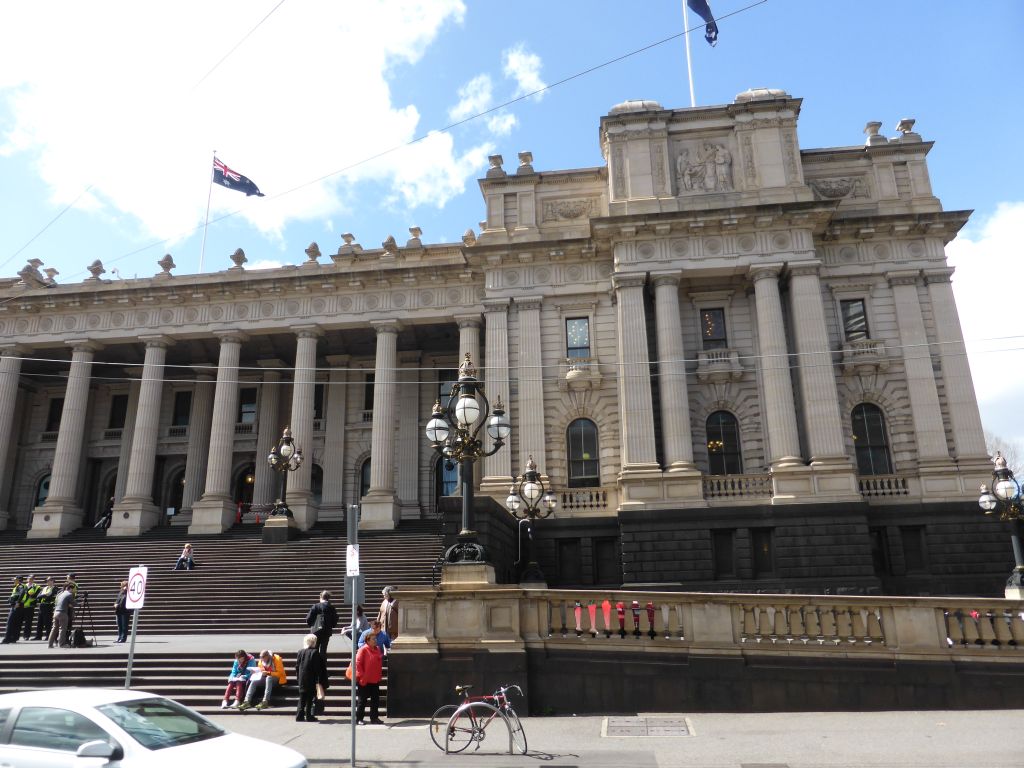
79	727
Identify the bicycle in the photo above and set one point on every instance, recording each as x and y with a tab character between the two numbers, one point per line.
453	727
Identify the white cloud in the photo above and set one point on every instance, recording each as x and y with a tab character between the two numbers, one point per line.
524	68
474	97
501	123
264	264
989	273
117	107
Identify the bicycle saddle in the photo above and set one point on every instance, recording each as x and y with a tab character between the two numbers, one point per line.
462	688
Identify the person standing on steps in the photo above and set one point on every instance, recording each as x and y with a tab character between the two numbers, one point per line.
321	620
122	613
47	596
28	603
62	609
308	672
388	613
15	611
368	671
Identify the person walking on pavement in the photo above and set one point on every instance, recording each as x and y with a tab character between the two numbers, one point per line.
15	611
47	596
62	611
309	667
321	620
28	603
368	671
388	613
122	613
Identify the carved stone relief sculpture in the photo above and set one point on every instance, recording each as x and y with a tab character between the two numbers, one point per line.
707	168
838	188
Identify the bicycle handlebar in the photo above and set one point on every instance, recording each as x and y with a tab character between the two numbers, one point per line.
502	690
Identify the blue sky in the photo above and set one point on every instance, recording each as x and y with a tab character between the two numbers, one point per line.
131	111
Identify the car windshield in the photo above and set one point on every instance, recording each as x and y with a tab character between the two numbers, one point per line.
158	723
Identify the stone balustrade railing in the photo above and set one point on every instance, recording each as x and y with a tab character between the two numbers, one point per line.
583	500
771	623
883	485
737	486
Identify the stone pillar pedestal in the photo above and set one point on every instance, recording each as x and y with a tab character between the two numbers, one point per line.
133	516
211	515
279	530
52	521
466	575
380	512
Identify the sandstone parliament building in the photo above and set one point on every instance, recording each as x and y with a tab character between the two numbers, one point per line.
737	362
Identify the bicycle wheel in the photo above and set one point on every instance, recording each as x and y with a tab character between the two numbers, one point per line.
469	724
518	734
439	725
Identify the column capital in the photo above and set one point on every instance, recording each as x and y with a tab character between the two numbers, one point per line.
629	281
386	326
468	321
938	275
903	277
529	302
157	340
496	305
231	336
12	350
311	331
761	271
804	268
87	345
665	278
204	371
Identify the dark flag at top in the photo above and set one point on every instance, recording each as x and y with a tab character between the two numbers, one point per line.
702	9
232	180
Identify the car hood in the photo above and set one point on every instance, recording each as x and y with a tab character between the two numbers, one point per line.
229	749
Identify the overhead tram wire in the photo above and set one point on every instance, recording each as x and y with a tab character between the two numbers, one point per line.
446	129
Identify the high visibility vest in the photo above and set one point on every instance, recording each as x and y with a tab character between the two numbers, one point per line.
30	596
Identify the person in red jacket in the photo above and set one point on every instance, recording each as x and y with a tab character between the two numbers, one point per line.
369	670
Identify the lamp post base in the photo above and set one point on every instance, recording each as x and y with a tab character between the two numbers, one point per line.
533	577
1015	584
279	530
467	550
467	575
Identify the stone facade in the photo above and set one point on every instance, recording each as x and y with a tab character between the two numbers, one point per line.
699	330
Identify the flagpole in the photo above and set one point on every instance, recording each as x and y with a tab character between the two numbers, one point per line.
689	61
209	194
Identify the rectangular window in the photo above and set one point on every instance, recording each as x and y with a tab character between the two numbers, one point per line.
118	412
912	538
761	546
722	552
182	408
247	405
318	401
712	329
577	337
446	380
368	392
53	414
855	319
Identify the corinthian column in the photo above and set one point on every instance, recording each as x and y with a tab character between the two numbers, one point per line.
199	420
10	370
265	486
636	405
136	512
379	506
333	505
215	511
300	493
530	406
497	467
61	512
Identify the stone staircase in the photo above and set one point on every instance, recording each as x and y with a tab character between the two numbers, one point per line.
240	587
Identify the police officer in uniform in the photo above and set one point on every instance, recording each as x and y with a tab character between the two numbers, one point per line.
29	601
16	611
47	597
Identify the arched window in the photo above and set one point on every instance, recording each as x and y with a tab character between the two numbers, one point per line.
244	486
364	478
582	449
42	490
316	482
871	440
724	456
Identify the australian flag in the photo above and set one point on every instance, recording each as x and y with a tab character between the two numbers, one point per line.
233	180
702	9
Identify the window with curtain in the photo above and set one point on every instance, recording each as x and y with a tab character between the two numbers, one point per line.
855	319
712	329
871	440
577	337
724	455
584	463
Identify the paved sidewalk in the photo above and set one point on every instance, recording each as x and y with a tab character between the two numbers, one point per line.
973	739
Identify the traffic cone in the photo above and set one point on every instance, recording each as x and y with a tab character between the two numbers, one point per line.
257	518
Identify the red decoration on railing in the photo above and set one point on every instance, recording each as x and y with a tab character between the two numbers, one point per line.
606	609
577	611
621	610
650	620
592	610
636	618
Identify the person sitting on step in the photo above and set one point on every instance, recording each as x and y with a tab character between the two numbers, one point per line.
186	562
240	672
268	675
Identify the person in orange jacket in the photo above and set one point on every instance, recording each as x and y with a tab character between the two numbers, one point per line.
369	670
272	673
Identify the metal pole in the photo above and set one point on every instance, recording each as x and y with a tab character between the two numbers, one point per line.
352	539
1015	538
467	498
689	61
206	222
131	649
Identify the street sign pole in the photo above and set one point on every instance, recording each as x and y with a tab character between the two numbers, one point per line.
353	586
135	599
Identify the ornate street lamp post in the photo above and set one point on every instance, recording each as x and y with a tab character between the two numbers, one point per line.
1005	497
529	499
284	457
453	432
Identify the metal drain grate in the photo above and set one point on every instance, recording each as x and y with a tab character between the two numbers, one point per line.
651	727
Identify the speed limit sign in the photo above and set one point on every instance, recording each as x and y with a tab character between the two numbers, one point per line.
136	588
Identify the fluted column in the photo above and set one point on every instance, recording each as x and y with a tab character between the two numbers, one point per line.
636	405
379	508
136	512
215	511
300	494
61	512
675	401
10	370
469	341
778	407
497	469
266	483
409	435
961	401
124	456
530	405
200	418
917	362
333	505
818	391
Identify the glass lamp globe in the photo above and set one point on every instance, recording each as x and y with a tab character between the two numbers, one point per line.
550	501
987	501
513	502
1005	489
531	491
437	430
467	411
498	426
287	449
272	459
